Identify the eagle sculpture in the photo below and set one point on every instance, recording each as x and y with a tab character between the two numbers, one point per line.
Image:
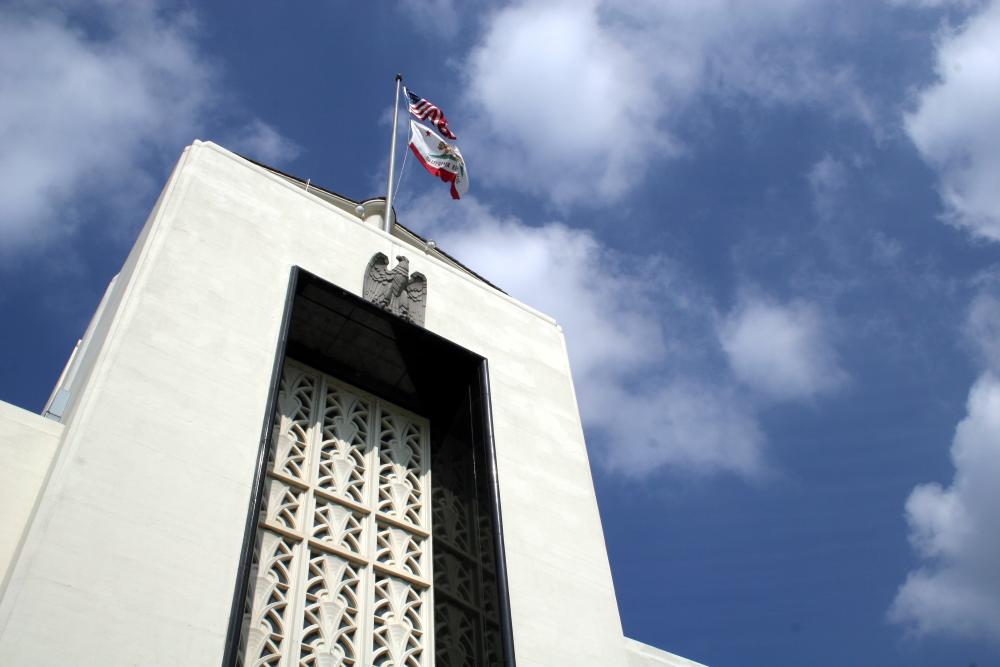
396	290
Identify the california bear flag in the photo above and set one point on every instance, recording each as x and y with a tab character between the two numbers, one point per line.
440	158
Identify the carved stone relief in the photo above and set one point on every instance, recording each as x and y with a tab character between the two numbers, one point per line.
396	290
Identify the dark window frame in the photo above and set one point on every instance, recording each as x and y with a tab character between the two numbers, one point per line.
479	386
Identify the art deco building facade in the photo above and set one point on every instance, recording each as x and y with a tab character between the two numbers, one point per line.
247	462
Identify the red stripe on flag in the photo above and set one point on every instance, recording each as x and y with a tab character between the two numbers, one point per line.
443	174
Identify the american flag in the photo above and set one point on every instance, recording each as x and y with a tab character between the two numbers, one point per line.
425	110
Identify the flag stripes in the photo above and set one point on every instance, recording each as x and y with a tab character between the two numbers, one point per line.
424	109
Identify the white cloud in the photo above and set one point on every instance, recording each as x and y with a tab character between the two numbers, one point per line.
930	4
655	397
439	17
575	100
570	105
682	422
783	351
585	288
956	591
827	179
956	123
89	105
261	142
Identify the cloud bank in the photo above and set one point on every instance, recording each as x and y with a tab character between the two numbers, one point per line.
781	350
956	589
645	344
956	123
101	97
953	530
576	100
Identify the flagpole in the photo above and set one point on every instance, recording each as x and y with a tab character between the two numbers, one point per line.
392	160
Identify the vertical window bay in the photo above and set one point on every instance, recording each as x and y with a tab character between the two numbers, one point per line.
342	566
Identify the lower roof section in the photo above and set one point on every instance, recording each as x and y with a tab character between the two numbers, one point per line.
644	655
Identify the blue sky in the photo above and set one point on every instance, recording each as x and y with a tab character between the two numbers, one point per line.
769	229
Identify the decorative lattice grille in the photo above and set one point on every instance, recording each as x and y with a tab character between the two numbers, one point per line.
466	620
342	563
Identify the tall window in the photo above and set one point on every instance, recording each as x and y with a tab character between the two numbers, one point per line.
342	563
466	615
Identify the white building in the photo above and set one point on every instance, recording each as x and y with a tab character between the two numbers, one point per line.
246	462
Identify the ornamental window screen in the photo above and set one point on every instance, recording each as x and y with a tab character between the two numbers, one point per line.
466	617
341	573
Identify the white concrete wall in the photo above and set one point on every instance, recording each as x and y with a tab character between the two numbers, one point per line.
27	445
132	557
78	373
643	655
